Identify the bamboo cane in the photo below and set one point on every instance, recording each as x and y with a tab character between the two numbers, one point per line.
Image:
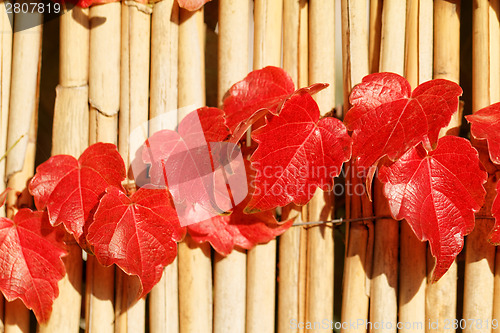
261	260
375	34
70	136
441	297
418	68
195	272
6	30
319	293
355	66
104	97
292	246
133	131
230	272
20	163
164	298
383	307
480	255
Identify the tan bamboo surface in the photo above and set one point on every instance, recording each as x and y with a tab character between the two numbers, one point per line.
261	260
104	97
230	273
479	254
319	288
292	245
6	34
412	255
383	304
164	298
71	136
441	296
20	162
130	314
375	32
195	270
356	286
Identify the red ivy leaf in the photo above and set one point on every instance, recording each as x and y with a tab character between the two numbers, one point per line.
225	232
30	261
70	189
485	124
494	236
261	89
297	153
192	5
139	233
437	192
387	120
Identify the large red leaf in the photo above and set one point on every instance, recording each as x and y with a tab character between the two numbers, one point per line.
387	120
261	89
437	192
297	153
30	261
239	230
70	189
139	233
485	124
192	5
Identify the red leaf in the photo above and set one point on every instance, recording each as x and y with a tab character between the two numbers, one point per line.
243	126
485	124
30	261
494	236
70	189
297	153
88	3
261	89
386	120
139	233
187	160
238	229
437	192
192	5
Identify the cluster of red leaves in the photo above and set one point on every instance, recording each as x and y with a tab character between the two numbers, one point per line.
435	184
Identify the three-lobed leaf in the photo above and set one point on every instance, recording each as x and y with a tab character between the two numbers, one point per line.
387	119
297	153
438	193
30	261
137	233
70	189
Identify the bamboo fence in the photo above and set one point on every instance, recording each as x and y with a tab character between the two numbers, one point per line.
129	67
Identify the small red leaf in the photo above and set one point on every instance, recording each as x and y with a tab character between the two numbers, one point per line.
192	5
88	3
238	229
386	120
297	153
30	261
261	89
139	233
494	236
70	189
437	192
485	124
